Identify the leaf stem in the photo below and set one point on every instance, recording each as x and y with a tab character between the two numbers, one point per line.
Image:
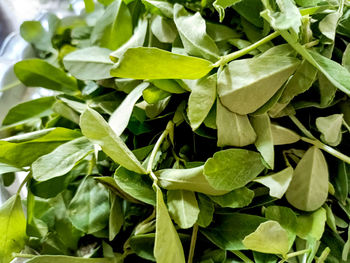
301	127
242	256
227	58
297	253
193	243
24	182
159	142
328	149
18	255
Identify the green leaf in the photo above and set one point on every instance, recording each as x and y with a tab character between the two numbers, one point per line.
228	230
5	168
89	6
341	183
195	39
61	160
183	207
29	110
34	33
238	198
264	140
23	150
91	63
201	100
135	64
119	119
136	185
114	27
232	168
328	25
153	95
330	128
346	58
137	40
161	8
191	179
39	73
163	30
167	247
116	218
67	259
97	130
311	226
89	208
206	211
143	245
168	85
268	238
308	189
261	76
278	183
220	32
283	135
288	16
12	228
220	6
233	129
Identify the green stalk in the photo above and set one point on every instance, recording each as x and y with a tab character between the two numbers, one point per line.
227	58
193	243
159	142
242	256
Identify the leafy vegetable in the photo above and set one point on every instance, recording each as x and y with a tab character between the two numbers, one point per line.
178	131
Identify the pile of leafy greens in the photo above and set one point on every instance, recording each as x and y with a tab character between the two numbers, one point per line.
189	131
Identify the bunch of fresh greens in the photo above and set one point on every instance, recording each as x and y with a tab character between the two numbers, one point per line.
190	131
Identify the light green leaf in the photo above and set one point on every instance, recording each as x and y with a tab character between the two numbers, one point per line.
67	259
328	25
219	32
135	64
116	218
220	6
23	150
238	198
34	33
169	85
232	168
346	58
268	238
61	160
264	140
152	94
29	110
288	16
167	247
91	63
39	73
283	215
300	82
89	208
308	189
89	6
137	40
158	7
311	226
97	130
119	119
163	30
5	168
114	27
201	100
330	128
65	111
183	207
233	129
283	135
136	185
12	228
228	230
191	179
194	38
278	183
206	207
261	76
